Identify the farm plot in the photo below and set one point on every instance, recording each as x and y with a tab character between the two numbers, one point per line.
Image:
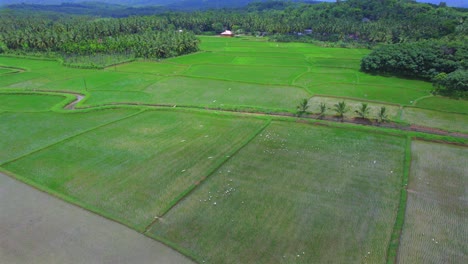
24	80
349	83
295	194
39	228
28	102
435	229
430	118
150	67
251	74
203	58
6	70
28	64
217	93
199	92
133	170
444	104
23	133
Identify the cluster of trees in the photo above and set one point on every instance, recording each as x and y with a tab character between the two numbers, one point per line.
145	37
341	108
368	21
443	62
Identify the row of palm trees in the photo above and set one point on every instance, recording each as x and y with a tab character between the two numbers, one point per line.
341	108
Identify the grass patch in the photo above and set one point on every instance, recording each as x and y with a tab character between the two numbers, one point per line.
217	93
28	102
351	83
254	74
97	60
296	194
203	58
444	104
23	133
435	224
430	118
150	67
131	170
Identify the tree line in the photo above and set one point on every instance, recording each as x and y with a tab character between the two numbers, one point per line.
145	37
368	22
445	63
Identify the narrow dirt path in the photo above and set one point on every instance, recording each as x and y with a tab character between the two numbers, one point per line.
415	128
73	104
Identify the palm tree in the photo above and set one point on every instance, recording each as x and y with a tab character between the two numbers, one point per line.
341	108
302	107
323	108
383	114
363	111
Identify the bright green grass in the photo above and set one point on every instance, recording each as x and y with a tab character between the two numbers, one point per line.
104	97
25	80
333	63
444	104
131	82
261	45
183	91
28	102
90	81
253	74
189	91
28	64
156	68
133	170
353	105
26	132
435	229
243	62
273	61
5	70
296	194
203	58
395	95
349	83
442	120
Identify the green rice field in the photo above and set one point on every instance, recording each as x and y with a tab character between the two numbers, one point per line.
205	153
295	194
133	169
436	119
435	225
28	102
24	132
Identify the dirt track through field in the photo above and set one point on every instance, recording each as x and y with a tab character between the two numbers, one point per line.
416	128
38	228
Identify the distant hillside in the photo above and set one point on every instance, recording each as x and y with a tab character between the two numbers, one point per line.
193	3
122	8
118	2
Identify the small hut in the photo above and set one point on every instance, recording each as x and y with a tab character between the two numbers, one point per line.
227	33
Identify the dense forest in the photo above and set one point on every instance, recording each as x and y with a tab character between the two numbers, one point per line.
411	27
443	62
